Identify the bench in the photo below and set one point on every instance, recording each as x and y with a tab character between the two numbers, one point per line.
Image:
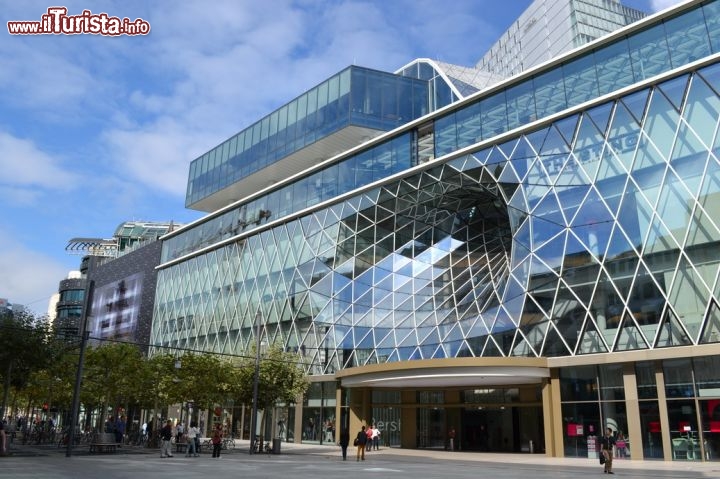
103	442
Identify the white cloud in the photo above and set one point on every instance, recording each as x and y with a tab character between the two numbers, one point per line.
157	155
29	278
657	5
24	165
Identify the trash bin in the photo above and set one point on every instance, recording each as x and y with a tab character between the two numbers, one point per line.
276	445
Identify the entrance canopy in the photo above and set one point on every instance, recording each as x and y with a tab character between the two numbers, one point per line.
462	372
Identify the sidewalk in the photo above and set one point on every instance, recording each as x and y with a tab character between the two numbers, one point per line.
709	469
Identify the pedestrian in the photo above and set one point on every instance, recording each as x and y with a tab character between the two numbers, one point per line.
607	443
360	441
179	431
217	441
375	438
120	430
3	438
110	425
165	438
192	434
344	442
369	434
451	437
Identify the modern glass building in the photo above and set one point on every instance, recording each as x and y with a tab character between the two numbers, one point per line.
547	29
528	265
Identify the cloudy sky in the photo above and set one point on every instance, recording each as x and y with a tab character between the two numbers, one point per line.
97	130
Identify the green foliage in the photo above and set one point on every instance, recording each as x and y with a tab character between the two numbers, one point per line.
23	341
280	378
205	379
109	374
42	370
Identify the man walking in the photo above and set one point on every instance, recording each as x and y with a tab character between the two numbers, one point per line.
607	443
360	442
166	437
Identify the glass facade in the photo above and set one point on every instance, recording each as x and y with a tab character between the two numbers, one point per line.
592	234
577	220
355	96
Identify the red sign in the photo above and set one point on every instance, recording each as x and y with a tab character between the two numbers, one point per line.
574	430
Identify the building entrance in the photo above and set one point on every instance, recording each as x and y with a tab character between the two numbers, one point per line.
502	429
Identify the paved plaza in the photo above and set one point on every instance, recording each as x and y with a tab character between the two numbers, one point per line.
300	461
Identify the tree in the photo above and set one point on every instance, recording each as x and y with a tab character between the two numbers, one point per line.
155	384
22	350
205	379
109	376
280	379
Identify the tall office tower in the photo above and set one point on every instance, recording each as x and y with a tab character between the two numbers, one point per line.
551	27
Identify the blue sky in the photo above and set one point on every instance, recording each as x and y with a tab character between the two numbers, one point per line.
98	130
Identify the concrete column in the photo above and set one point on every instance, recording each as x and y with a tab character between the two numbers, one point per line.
552	416
663	411
634	432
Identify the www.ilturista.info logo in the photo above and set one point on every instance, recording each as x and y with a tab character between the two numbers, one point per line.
57	22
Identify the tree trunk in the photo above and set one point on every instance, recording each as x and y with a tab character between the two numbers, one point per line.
6	390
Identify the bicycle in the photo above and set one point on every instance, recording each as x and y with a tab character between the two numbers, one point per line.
267	447
228	443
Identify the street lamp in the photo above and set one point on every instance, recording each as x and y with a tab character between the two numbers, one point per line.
84	337
256	380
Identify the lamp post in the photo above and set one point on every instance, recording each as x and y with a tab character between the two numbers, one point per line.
84	337
256	380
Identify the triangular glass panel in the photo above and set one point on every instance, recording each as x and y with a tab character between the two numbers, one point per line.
711	74
591	341
687	145
647	155
659	238
688	291
671	332
534	327
552	252
624	127
702	230
491	349
535	139
576	254
702	110
554	345
618	246
674	90
711	330
568	320
600	115
554	143
504	340
522	157
521	348
567	127
463	351
508	147
574	174
635	103
630	337
673	206
610	165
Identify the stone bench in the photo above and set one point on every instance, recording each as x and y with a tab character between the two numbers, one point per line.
103	442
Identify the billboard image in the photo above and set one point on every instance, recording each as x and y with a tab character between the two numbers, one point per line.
116	308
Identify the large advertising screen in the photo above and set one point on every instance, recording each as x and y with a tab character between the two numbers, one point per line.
116	309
